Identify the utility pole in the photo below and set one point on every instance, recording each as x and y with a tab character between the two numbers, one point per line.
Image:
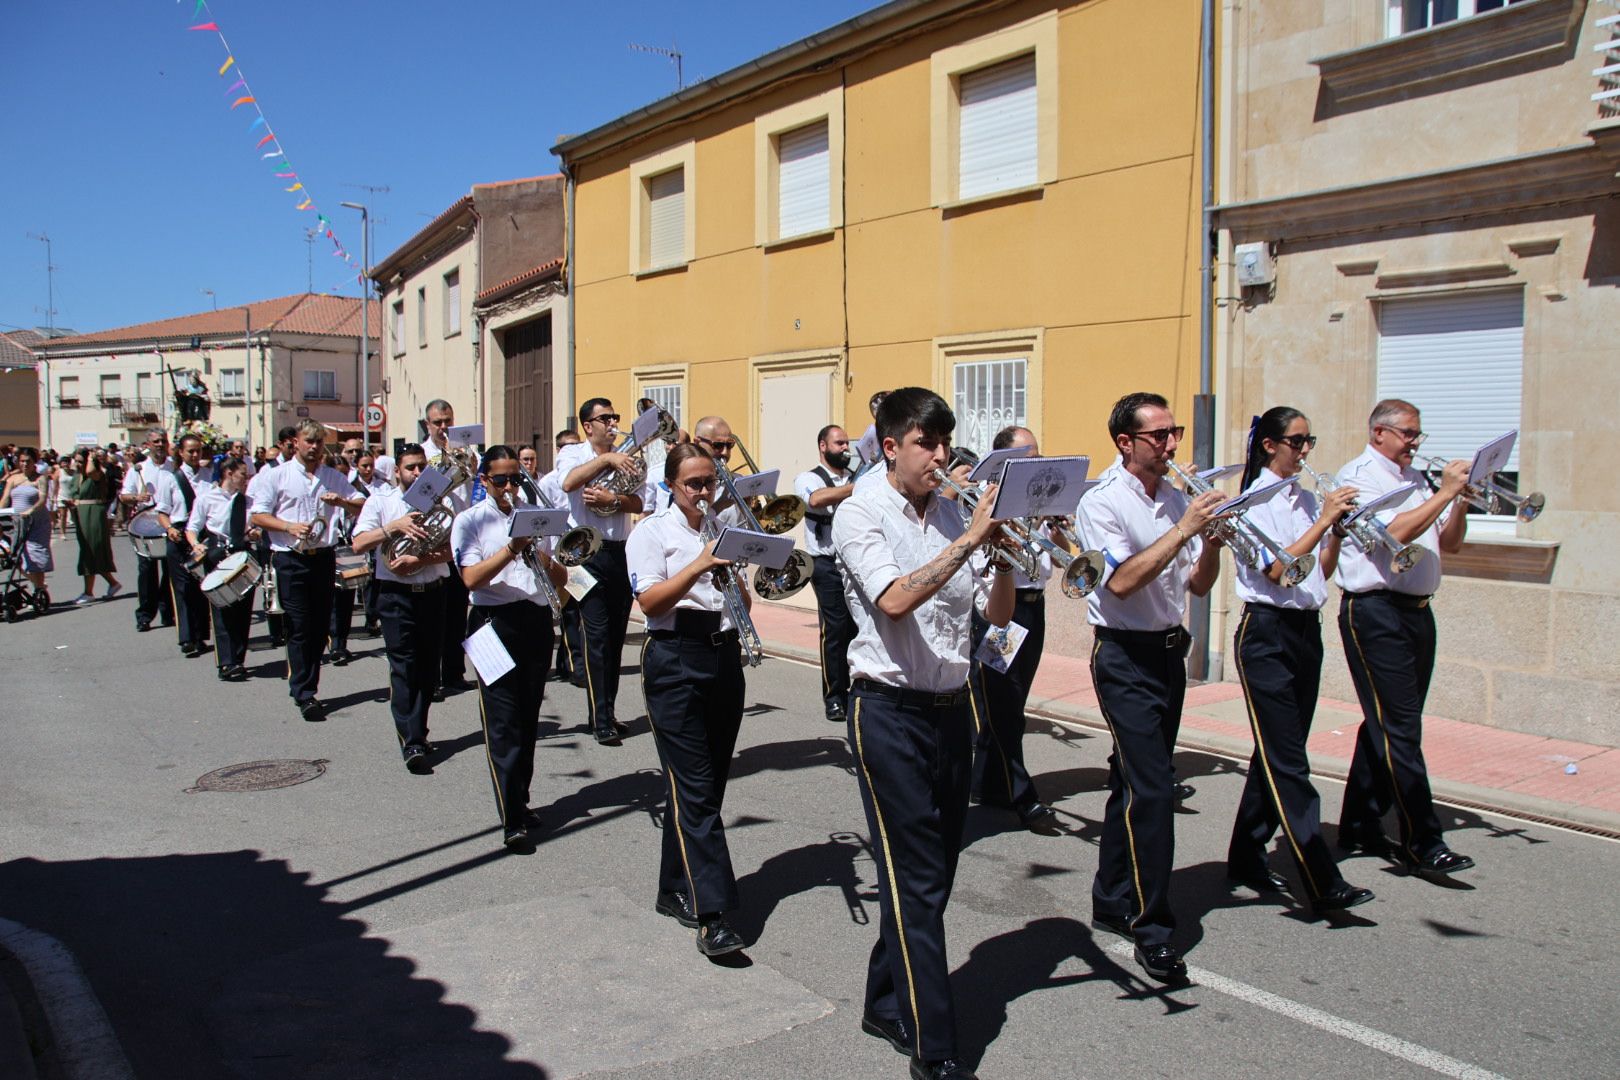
50	284
309	244
673	53
365	316
210	294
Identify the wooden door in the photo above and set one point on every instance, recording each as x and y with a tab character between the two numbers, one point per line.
528	386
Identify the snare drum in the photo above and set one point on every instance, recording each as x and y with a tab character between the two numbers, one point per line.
232	580
147	535
353	571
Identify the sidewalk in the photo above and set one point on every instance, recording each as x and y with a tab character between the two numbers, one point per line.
1469	764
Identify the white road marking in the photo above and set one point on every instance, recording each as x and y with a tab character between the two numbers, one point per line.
1334	1025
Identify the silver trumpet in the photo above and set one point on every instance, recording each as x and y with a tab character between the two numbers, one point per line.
1489	497
531	559
781	513
271	595
626	483
1242	536
436	523
1024	557
736	606
310	540
578	544
1368	532
1082	569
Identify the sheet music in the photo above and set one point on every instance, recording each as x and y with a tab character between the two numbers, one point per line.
488	654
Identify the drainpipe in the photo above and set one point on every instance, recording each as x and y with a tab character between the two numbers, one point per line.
1198	663
247	376
569	283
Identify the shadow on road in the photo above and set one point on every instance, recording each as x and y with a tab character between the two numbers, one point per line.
830	864
793	754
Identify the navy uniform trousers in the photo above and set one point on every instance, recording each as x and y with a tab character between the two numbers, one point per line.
1140	678
837	630
693	682
509	707
232	625
913	754
305	585
152	587
604	617
452	657
1000	777
1279	663
570	643
1389	639
412	629
337	631
190	605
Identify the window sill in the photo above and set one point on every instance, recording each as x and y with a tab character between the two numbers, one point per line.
1028	192
657	271
1504	558
452	334
799	239
1507	35
323	401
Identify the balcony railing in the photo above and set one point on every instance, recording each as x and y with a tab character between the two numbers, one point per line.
63	401
114	402
1608	69
141	410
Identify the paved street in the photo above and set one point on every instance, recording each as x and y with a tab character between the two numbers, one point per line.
366	923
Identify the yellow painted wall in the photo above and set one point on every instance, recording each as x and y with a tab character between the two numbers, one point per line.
1103	260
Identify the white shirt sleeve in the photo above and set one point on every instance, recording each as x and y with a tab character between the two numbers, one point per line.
865	553
646	557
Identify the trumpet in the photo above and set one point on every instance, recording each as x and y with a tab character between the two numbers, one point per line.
1368	532
1082	569
436	523
271	595
531	559
1242	535
312	539
578	544
626	482
1025	556
736	606
1489	496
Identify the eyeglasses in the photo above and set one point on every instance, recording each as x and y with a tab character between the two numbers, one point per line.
698	483
1161	435
723	445
443	421
605	418
1299	442
1414	437
502	481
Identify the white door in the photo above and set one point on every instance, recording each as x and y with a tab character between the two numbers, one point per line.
793	408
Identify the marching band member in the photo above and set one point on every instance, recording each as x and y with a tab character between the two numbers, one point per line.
216	528
1389	639
506	595
291	497
410	602
190	606
440	417
1000	777
1278	649
142	484
911	578
823	489
529	474
1150	537
365	481
341	526
692	678
286	443
605	609
569	665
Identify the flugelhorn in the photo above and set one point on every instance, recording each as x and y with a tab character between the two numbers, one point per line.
436	524
1242	535
775	514
626	482
1489	496
578	544
736	606
1023	556
1082	568
311	539
795	575
1368	532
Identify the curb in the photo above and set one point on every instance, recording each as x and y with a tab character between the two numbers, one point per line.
81	1036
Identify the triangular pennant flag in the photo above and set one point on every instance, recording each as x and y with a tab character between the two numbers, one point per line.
226	66
238	84
269	137
244	101
271	154
206	26
287	175
296	187
200	5
257	123
306	204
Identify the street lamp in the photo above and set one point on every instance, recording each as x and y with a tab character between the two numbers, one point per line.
365	319
210	294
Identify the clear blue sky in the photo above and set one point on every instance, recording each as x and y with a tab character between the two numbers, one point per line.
119	141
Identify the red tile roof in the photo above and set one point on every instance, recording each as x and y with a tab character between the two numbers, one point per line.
521	281
302	313
15	346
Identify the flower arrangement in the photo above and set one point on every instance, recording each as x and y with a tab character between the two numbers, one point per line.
212	435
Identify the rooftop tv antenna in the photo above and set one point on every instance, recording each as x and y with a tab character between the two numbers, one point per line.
673	53
50	284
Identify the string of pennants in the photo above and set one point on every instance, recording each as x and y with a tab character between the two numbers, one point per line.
268	144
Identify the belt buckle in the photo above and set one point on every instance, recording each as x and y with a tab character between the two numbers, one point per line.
418	586
1423	602
1172	639
718	637
947	699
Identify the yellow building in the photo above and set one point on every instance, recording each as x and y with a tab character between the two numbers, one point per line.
998	201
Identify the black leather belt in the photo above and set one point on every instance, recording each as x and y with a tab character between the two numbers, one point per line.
1410	601
694	625
926	699
411	586
1174	638
1031	596
1255	607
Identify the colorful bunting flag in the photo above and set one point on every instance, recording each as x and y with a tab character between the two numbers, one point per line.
245	100
226	66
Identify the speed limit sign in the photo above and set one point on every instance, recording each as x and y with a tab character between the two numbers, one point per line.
375	416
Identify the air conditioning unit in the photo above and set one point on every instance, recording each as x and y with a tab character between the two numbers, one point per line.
1256	265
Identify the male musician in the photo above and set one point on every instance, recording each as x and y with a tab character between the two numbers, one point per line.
605	609
1150	537
286	441
289	499
190	606
911	579
341	526
1389	640
1000	777
440	417
143	484
365	482
823	489
410	599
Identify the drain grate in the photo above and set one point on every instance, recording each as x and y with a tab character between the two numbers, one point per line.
259	775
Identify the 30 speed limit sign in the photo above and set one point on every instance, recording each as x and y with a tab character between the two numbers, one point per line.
376	416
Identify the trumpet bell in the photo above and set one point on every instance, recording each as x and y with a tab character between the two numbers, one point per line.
1531	507
778	513
577	546
1081	576
780	584
1406	558
1300	569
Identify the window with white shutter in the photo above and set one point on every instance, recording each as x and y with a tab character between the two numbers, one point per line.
804	189
399	328
666	396
452	303
421	317
231	384
998	144
666	218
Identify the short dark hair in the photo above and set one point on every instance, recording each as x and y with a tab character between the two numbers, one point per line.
408	450
227	465
564	437
188	437
285	433
678	453
914	408
821	436
589	406
1122	421
438	404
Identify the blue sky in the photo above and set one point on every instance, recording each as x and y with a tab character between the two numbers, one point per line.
121	145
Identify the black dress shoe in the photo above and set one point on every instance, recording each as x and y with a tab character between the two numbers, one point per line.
678	906
1162	962
715	937
1038	817
458	686
1114	924
517	839
438	695
940	1070
341	657
416	761
1341	896
143	627
1260	879
892	1030
835	713
607	735
372	629
1442	862
225	675
1366	843
190	651
312	710
532	822
202	647
1182	792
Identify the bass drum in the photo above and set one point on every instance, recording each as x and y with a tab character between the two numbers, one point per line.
232	580
147	535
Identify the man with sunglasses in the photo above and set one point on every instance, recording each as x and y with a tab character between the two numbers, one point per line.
1151	538
605	609
1389	640
439	417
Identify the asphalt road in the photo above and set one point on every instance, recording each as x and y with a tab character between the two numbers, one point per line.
366	923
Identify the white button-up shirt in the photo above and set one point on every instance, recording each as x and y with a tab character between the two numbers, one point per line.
1120	519
292	494
199	485
480	532
664	545
1371	475
803	485
383	505
156	483
211	514
879	539
613	527
1285	517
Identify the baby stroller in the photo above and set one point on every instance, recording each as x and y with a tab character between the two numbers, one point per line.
17	593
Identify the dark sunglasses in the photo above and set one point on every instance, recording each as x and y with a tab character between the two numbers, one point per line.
502	481
718	444
606	418
1161	435
698	483
1299	442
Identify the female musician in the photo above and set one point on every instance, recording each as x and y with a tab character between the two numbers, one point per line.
1279	661
504	593
216	528
692	678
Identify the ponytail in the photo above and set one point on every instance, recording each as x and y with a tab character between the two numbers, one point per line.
1270	425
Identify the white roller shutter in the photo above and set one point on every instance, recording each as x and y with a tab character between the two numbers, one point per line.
1460	360
666	218
803	193
998	142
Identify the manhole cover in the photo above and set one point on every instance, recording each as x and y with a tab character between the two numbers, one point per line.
259	775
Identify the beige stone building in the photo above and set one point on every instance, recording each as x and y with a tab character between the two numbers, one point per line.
19	393
1428	212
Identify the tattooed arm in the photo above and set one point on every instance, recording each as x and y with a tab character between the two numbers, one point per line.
907	593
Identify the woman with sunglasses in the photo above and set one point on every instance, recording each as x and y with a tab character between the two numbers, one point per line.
1279	662
692	678
503	592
